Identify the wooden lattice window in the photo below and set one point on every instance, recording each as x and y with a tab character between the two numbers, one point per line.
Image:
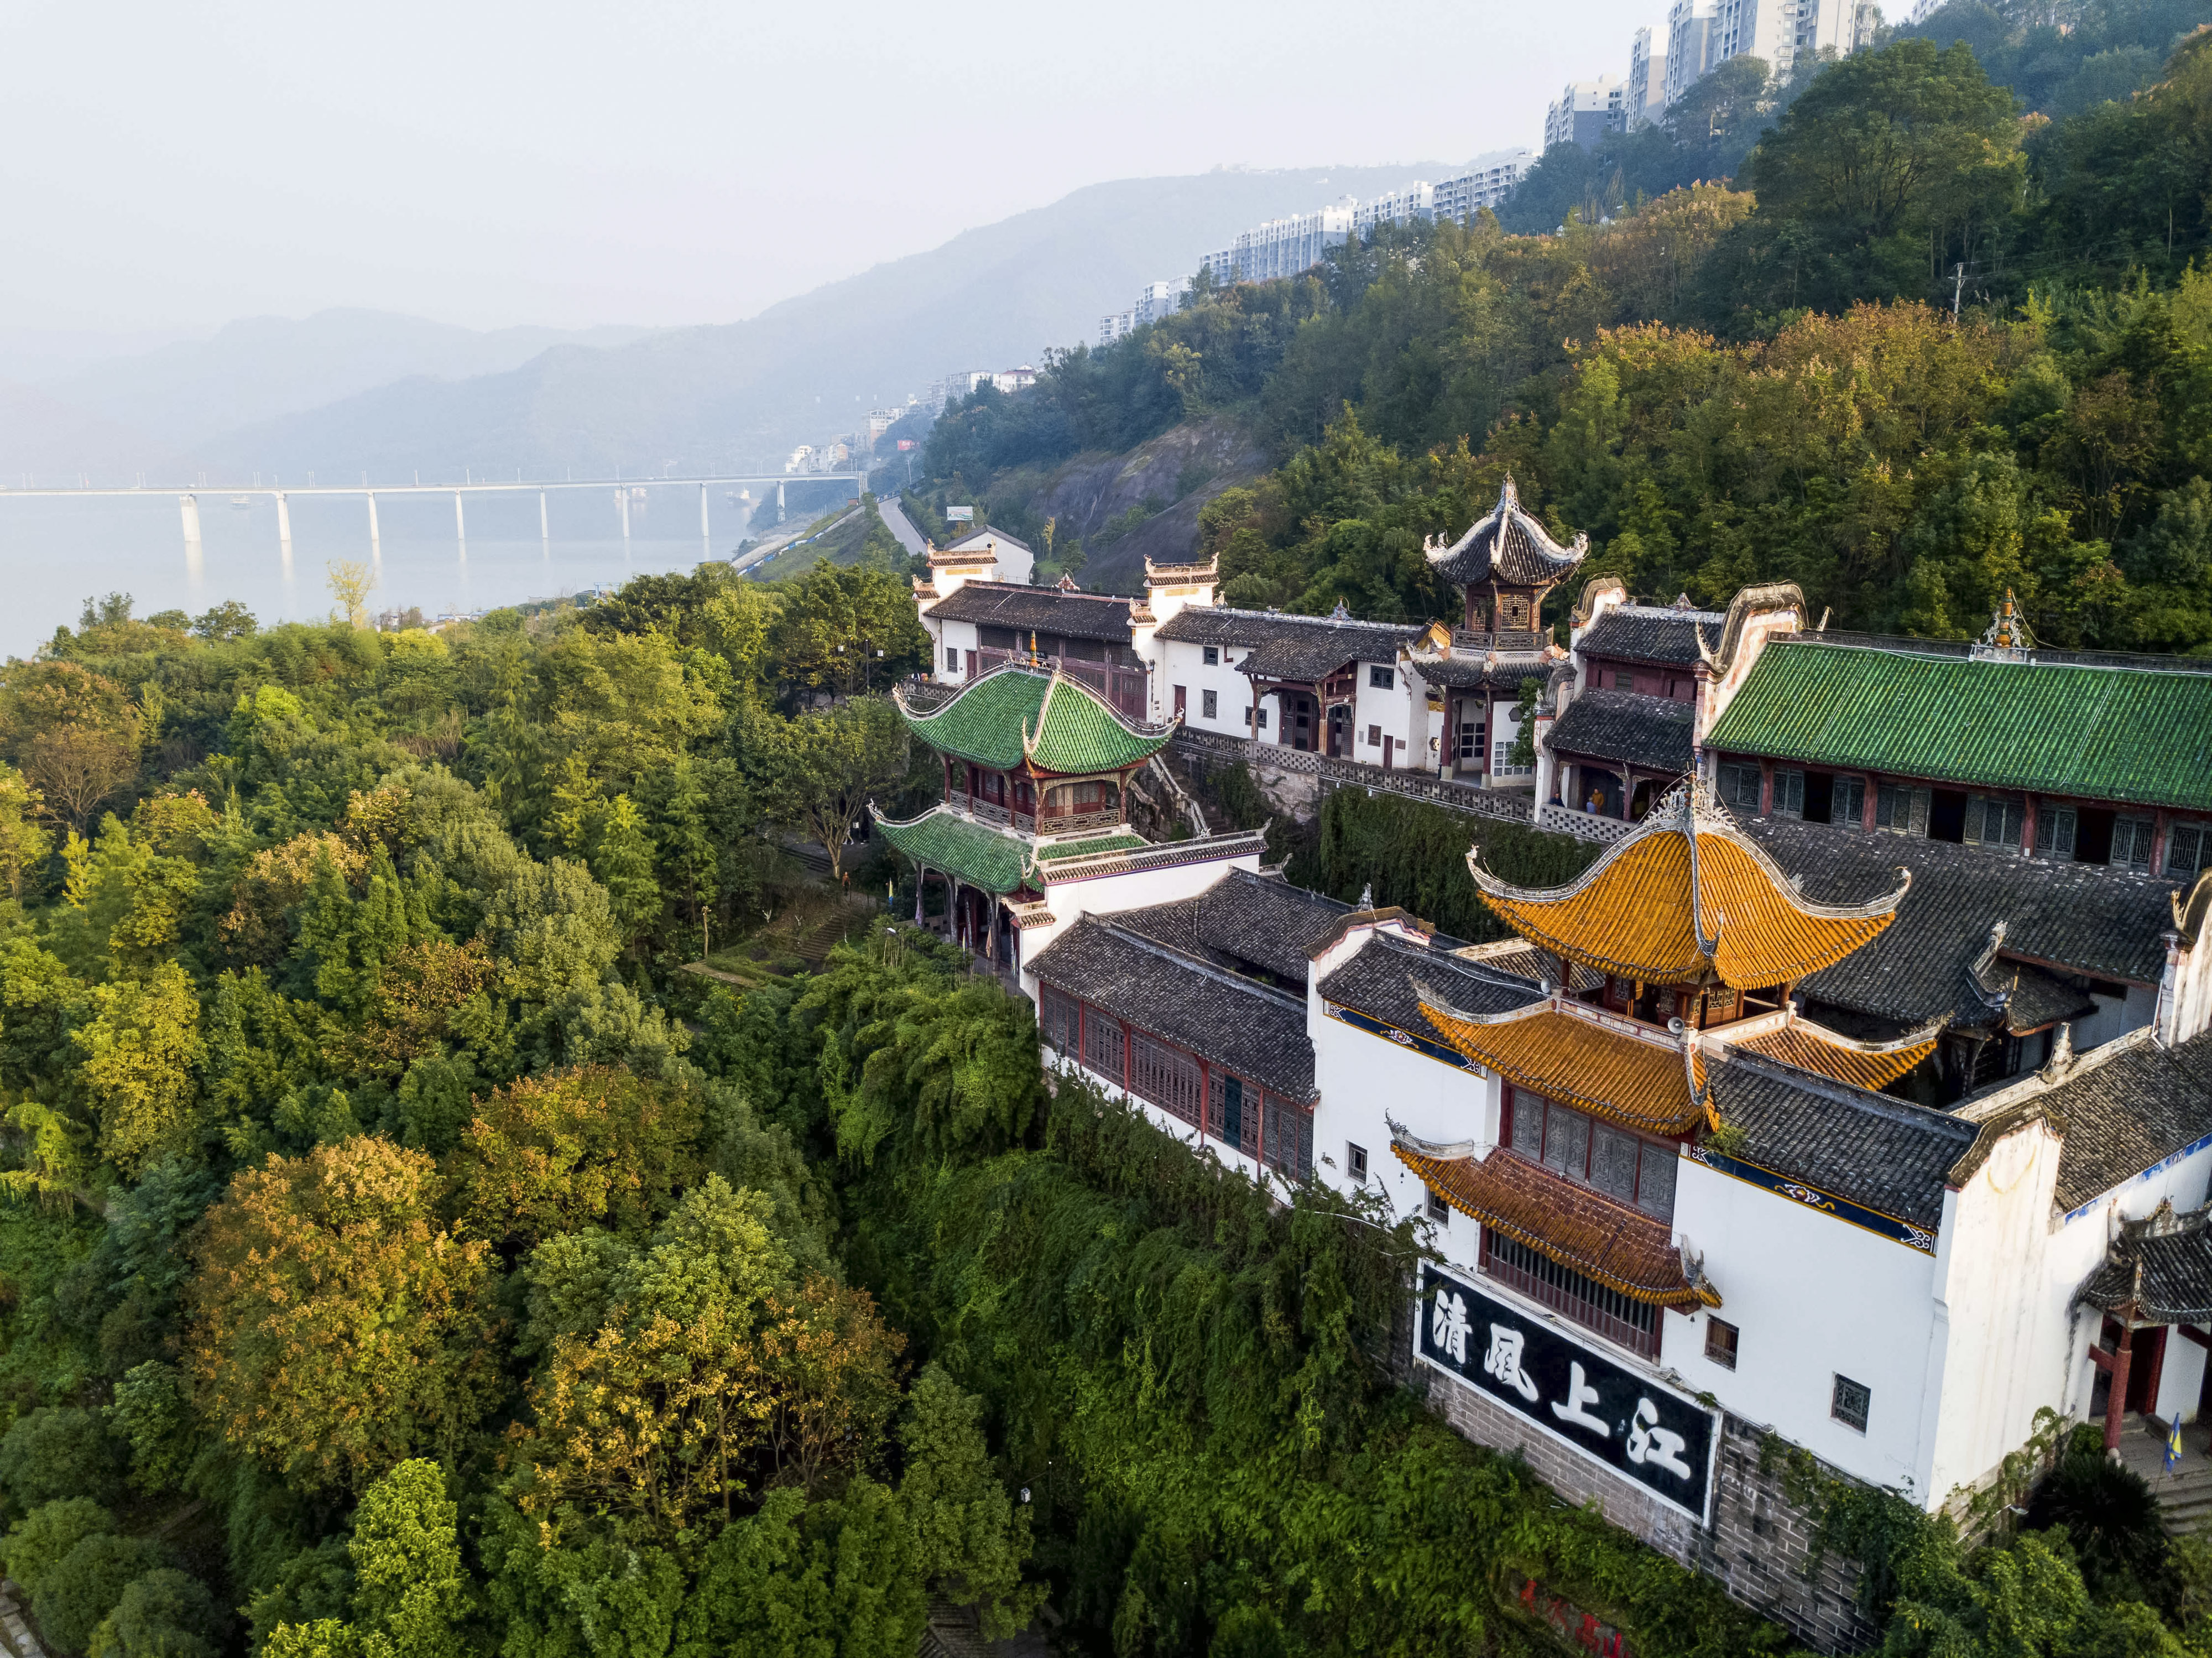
1167	1077
1102	1044
1060	1019
1290	1140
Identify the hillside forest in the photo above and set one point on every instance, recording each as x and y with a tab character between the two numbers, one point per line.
403	1253
1925	344
488	1167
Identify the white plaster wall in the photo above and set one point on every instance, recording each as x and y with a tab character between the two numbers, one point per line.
2182	1381
1362	1080
1811	1297
960	635
2076	1248
1182	663
2115	1018
2189	994
1403	713
2003	1349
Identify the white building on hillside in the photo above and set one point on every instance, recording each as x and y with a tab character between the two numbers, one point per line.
1585	111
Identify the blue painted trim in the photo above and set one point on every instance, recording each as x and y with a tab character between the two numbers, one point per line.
1842	1209
1428	1046
2158	1168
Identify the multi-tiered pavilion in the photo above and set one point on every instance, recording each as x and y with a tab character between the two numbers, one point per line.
1037	771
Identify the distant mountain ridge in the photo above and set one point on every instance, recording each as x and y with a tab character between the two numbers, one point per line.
737	396
261	369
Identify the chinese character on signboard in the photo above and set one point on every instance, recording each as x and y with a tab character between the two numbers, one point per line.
1609	1412
906	443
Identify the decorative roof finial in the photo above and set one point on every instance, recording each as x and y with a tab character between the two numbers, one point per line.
1339	614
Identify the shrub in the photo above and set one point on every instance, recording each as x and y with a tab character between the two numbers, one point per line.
34	1548
88	1584
58	1452
164	1614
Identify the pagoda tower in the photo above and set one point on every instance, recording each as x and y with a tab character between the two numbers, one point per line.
1504	564
1036	781
1683	941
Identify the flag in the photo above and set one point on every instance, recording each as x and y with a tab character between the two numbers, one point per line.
2174	1444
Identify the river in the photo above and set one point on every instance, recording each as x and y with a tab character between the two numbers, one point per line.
55	551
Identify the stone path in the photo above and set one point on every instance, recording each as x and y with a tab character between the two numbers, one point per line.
16	1628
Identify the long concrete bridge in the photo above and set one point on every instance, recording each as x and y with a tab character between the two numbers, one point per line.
188	502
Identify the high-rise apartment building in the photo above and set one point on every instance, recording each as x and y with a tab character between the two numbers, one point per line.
1416	201
1647	80
1689	45
1283	248
1586	111
1486	184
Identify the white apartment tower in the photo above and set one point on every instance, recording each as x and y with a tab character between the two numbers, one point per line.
1647	80
1586	111
1689	45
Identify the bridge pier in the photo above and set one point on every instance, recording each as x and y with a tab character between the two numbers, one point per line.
706	539
460	527
779	501
195	553
621	500
284	530
375	541
545	525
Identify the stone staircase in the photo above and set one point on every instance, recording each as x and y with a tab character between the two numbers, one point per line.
2184	1497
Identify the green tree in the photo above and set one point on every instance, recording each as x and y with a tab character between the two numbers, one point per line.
166	1613
596	1147
336	1326
972	1539
77	1594
1887	160
56	1452
141	1047
828	764
411	1590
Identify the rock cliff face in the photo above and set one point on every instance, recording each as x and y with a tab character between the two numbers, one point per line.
1166	481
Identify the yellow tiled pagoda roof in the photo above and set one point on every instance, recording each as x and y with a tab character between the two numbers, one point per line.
1685	899
1869	1066
1579	1228
1578	1060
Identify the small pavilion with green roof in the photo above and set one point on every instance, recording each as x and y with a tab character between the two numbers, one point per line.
1036	775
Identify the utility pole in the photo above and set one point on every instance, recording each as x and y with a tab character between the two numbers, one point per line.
1958	290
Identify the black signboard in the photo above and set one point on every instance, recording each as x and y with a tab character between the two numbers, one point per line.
1641	1430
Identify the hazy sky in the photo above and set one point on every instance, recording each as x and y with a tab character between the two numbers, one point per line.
179	165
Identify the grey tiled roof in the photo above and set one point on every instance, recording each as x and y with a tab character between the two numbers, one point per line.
1237	1022
2079	918
2166	1280
1652	732
1868	1148
1243	920
1510	545
1649	633
1317	647
1378	981
1225	624
1006	605
1465	673
2130	1112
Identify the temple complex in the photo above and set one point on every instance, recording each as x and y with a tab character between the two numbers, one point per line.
1856	1098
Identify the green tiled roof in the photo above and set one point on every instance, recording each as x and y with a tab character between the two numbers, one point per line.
2124	734
981	856
1070	729
1097	846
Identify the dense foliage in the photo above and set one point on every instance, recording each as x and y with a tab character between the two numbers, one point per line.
402	1259
1760	381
